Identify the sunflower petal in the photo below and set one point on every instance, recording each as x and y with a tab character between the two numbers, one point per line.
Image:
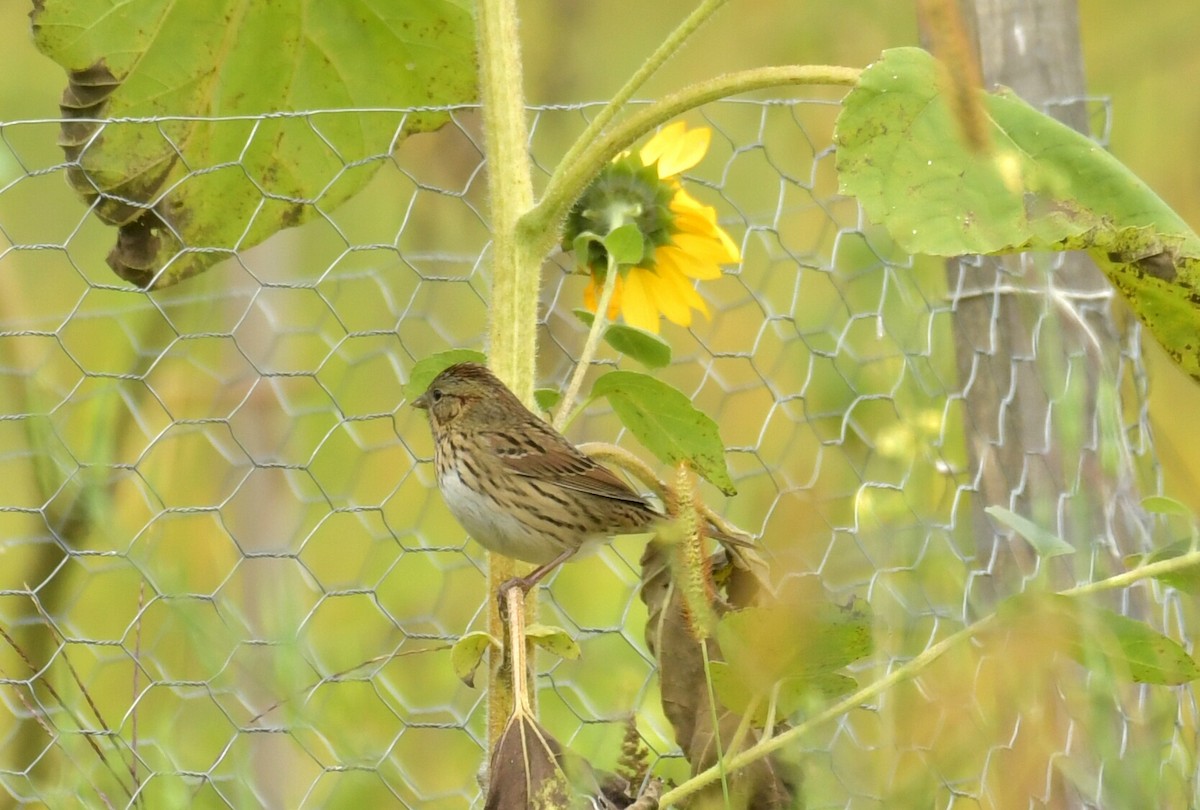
637	305
676	148
685	204
687	264
665	291
661	142
614	304
677	285
691	217
707	249
591	297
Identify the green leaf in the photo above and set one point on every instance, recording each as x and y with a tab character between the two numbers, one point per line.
733	693
791	649
582	247
646	347
1162	505
467	654
667	424
229	184
1045	543
1043	186
425	370
625	244
766	645
547	398
1088	633
1148	656
554	640
791	694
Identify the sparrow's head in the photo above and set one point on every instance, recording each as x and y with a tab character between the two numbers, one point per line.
464	393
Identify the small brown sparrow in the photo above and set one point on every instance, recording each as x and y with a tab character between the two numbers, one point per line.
514	482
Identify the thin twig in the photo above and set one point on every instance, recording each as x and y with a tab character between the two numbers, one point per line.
113	739
337	676
716	723
62	704
616	104
599	323
515	602
137	671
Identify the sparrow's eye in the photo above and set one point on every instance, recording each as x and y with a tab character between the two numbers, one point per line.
435	394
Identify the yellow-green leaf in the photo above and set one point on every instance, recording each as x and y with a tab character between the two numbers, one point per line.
795	639
193	182
791	695
625	244
467	654
667	424
1162	505
1042	186
646	347
547	398
553	639
1133	649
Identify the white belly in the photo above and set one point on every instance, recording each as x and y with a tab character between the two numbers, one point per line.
494	528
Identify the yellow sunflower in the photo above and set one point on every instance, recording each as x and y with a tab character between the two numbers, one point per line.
684	241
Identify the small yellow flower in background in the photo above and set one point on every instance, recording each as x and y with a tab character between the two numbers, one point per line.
684	241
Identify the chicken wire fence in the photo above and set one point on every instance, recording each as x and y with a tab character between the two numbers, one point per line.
227	579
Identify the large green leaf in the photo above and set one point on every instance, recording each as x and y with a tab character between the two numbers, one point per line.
1088	634
797	639
667	424
214	186
791	695
1042	186
790	650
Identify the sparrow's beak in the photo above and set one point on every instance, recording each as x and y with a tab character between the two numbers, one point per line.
422	402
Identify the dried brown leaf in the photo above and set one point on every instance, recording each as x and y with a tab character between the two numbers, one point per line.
765	785
525	769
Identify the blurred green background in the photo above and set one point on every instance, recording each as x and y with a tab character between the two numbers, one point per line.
236	476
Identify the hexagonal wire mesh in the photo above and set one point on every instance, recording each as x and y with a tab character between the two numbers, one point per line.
215	496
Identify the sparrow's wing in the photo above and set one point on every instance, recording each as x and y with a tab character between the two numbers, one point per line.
548	457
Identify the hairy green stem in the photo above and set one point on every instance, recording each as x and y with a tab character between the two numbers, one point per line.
589	347
715	719
512	339
515	271
669	47
906	672
541	224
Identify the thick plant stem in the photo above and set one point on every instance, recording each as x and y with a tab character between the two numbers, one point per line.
512	337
